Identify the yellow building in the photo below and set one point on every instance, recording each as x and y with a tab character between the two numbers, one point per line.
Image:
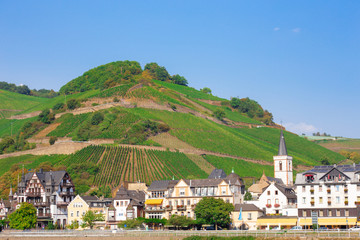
81	204
245	216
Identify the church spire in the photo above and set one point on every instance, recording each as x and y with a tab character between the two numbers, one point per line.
282	145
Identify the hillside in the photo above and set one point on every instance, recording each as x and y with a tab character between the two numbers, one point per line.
128	106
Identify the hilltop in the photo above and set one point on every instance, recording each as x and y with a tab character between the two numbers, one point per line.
151	122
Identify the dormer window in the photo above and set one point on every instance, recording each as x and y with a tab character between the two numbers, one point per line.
309	178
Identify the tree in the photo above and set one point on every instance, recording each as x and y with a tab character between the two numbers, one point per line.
325	160
219	114
247	196
97	118
179	221
52	140
157	72
180	80
206	90
72	104
214	211
46	117
90	217
24	217
130	223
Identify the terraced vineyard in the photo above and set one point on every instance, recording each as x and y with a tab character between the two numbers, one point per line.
119	164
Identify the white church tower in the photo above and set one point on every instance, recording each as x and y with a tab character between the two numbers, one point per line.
283	163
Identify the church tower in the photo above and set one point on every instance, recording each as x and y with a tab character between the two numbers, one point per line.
283	163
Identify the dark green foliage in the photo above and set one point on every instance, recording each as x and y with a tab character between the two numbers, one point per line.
52	140
72	104
46	116
247	196
214	211
179	80
219	114
102	191
104	76
206	90
90	217
131	223
22	89
179	221
157	72
50	226
44	93
58	106
24	217
325	160
97	118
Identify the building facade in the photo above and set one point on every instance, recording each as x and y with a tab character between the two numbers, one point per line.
49	192
331	192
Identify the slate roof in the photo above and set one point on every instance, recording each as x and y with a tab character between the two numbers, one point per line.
217	173
246	207
162	185
282	146
276	180
46	178
233	177
287	191
137	198
89	198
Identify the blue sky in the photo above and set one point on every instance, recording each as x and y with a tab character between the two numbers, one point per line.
298	59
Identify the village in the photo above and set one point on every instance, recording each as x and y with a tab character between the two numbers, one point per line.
318	199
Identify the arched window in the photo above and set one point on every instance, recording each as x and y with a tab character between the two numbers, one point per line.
280	166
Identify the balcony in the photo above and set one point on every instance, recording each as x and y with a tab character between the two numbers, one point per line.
345	190
33	194
312	191
67	184
328	191
181	207
346	203
67	193
154	209
268	205
168	208
357	203
329	203
276	205
62	204
41	204
44	215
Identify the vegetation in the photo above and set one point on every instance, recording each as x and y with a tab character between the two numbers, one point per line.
214	211
23	89
90	217
180	221
24	217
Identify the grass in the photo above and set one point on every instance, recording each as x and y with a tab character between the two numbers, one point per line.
29	161
188	91
5	126
10	100
69	124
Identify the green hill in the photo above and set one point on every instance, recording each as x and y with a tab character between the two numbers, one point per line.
120	101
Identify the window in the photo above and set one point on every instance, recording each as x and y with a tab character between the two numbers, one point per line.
223	190
121	203
321	213
195	201
268	192
182	202
337	199
268	201
77	213
276	201
329	213
320	200
304	200
303	188
276	192
249	216
72	214
320	188
170	203
358	188
188	215
338	213
337	188
346	212
182	191
280	166
188	202
304	213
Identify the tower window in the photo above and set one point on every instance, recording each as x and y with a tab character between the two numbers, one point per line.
280	166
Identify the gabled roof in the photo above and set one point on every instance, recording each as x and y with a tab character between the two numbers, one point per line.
246	207
336	172
162	185
276	180
287	191
282	146
217	173
88	199
45	177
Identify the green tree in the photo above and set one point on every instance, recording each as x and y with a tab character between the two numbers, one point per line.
97	118
180	80
130	223
72	104
52	140
24	217
179	221
46	117
206	90
214	211
247	196
157	71
219	114
325	160
90	217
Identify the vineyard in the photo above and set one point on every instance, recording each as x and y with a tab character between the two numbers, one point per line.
119	91
119	164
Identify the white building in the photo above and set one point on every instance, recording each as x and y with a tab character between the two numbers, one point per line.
332	192
283	163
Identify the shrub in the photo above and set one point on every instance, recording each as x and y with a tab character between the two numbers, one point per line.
58	106
52	140
97	118
72	104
